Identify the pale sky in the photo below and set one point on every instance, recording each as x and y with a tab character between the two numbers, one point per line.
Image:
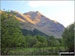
61	11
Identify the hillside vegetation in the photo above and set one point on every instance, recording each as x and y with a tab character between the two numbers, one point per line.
13	41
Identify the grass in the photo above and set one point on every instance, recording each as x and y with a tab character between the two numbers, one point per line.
36	51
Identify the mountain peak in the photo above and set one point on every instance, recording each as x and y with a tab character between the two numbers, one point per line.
40	22
35	16
32	12
37	12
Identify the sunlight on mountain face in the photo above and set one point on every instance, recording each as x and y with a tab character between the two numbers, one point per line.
55	21
38	16
10	15
36	21
46	25
27	17
20	19
33	21
38	13
0	12
15	17
29	20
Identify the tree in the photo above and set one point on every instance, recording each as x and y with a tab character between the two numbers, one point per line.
11	35
68	37
31	40
41	38
52	41
40	44
42	41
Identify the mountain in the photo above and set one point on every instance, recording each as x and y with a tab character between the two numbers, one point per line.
47	26
36	23
42	23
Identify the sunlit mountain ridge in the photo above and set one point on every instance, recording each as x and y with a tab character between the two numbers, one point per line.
38	21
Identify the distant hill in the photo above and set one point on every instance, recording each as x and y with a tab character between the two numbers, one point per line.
35	23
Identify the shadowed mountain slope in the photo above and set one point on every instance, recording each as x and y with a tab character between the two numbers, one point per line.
35	20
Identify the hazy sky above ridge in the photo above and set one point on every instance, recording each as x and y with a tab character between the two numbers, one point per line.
61	11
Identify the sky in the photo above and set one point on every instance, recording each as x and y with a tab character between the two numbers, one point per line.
60	11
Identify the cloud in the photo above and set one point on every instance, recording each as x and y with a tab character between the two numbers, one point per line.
61	11
36	4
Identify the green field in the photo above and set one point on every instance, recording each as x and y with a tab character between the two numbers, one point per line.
36	51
